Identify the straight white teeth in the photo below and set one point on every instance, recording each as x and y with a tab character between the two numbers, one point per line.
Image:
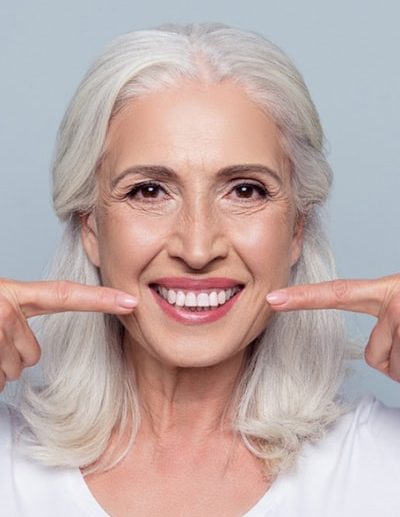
193	300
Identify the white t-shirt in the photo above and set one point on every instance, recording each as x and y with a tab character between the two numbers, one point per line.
353	471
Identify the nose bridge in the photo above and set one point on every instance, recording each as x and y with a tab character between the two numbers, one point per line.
198	237
198	212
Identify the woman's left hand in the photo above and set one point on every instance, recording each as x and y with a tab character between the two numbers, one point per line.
379	297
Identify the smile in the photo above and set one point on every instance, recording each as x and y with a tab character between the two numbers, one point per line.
193	307
195	301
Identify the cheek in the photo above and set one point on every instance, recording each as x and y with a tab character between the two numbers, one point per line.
127	244
265	246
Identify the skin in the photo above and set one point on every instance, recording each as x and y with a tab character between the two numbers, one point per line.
379	297
22	300
198	227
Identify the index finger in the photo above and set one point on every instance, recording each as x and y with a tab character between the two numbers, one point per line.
364	296
37	298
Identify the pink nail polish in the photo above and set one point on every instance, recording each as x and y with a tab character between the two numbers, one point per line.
126	301
277	298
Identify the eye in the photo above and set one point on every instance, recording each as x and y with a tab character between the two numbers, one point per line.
148	190
247	191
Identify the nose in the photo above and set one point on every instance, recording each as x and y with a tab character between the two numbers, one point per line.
198	237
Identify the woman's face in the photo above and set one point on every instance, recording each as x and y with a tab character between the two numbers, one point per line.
194	186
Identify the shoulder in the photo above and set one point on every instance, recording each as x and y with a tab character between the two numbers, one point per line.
364	438
367	420
380	419
354	466
27	487
371	419
377	426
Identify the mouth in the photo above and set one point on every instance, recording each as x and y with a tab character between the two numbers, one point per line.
196	306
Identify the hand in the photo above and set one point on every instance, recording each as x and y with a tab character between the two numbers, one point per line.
380	298
21	300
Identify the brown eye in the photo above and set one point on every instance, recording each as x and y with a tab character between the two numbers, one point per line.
248	190
145	190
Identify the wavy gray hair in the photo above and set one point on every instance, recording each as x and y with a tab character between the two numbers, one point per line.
288	392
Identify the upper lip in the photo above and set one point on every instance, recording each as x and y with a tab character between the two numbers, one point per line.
198	284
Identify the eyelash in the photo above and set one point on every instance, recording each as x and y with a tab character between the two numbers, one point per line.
262	191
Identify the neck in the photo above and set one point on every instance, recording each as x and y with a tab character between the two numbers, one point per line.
189	403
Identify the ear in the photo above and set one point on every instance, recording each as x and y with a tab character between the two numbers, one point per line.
89	237
297	239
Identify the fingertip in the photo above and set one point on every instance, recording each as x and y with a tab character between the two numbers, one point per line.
125	301
276	298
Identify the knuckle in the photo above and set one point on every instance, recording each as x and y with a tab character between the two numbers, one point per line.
6	348
103	297
7	312
340	289
31	357
369	357
13	372
393	366
4	283
63	291
393	309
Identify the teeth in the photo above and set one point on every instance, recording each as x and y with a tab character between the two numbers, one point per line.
203	300
222	297
180	299
171	297
213	297
190	299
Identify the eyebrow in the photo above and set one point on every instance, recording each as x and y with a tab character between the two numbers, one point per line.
166	173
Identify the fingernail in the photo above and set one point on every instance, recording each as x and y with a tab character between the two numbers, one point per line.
277	297
126	301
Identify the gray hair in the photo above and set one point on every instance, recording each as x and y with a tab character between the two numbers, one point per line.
288	391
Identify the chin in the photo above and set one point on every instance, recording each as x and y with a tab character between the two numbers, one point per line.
194	356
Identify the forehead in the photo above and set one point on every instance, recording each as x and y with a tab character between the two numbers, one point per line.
193	126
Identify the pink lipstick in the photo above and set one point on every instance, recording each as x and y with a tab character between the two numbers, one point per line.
196	315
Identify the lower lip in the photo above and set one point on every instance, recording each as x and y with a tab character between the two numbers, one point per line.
195	318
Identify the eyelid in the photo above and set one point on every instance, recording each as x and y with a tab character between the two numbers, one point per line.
132	190
146	183
254	183
137	186
250	181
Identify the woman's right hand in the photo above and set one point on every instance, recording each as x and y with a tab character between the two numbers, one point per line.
22	300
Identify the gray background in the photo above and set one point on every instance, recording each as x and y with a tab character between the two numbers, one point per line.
348	53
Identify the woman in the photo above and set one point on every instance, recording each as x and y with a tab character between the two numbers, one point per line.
190	173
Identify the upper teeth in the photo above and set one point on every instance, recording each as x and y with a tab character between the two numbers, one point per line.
191	299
